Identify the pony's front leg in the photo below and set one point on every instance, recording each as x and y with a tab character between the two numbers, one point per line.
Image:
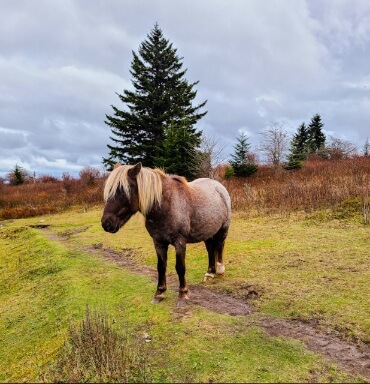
161	249
180	247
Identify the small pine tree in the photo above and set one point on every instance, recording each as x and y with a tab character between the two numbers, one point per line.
298	148
308	140
18	176
300	143
240	161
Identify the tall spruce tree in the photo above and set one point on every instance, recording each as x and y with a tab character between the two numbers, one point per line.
159	113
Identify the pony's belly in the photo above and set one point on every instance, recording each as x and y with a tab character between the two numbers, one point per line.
202	233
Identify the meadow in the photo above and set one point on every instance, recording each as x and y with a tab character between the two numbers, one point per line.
76	301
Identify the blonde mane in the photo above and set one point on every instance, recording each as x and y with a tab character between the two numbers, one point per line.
149	184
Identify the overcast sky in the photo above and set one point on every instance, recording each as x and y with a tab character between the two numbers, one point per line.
62	62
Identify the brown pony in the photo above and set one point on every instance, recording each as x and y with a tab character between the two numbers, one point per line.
176	212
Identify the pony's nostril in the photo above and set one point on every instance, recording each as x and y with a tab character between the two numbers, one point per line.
107	225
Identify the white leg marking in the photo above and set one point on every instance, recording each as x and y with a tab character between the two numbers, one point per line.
208	276
220	270
212	275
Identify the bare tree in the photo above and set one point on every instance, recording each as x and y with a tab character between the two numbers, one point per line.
211	154
275	143
340	149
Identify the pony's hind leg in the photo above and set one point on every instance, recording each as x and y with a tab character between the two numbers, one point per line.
210	274
161	249
219	250
220	267
215	248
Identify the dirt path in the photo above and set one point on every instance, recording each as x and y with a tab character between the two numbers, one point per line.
353	358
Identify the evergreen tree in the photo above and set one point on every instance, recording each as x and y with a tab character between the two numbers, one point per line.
18	176
300	143
241	161
160	104
316	138
298	148
308	140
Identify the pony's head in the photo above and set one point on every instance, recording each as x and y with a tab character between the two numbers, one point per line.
130	189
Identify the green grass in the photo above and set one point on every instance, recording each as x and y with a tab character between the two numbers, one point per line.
304	269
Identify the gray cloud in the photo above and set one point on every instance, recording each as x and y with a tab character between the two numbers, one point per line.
61	64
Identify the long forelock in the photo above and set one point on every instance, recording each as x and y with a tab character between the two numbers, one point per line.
116	180
149	186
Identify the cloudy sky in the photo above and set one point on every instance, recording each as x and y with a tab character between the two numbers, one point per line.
257	62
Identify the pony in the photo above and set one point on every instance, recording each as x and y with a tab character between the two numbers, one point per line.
176	212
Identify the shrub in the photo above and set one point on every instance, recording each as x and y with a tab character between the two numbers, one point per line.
229	172
294	164
244	170
89	175
47	179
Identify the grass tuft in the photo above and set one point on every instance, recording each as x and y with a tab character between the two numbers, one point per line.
97	352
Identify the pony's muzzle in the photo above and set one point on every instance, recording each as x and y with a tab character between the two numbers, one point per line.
109	226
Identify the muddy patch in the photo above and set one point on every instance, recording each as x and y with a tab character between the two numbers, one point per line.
125	258
70	232
218	302
39	226
351	357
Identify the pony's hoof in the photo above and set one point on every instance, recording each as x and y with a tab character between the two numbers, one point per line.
208	277
182	303
157	299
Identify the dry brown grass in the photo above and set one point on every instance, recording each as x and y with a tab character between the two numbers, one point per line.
341	186
41	198
319	185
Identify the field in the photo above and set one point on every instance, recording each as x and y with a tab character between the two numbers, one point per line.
294	305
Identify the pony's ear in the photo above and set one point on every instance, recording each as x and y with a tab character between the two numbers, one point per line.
116	165
133	172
